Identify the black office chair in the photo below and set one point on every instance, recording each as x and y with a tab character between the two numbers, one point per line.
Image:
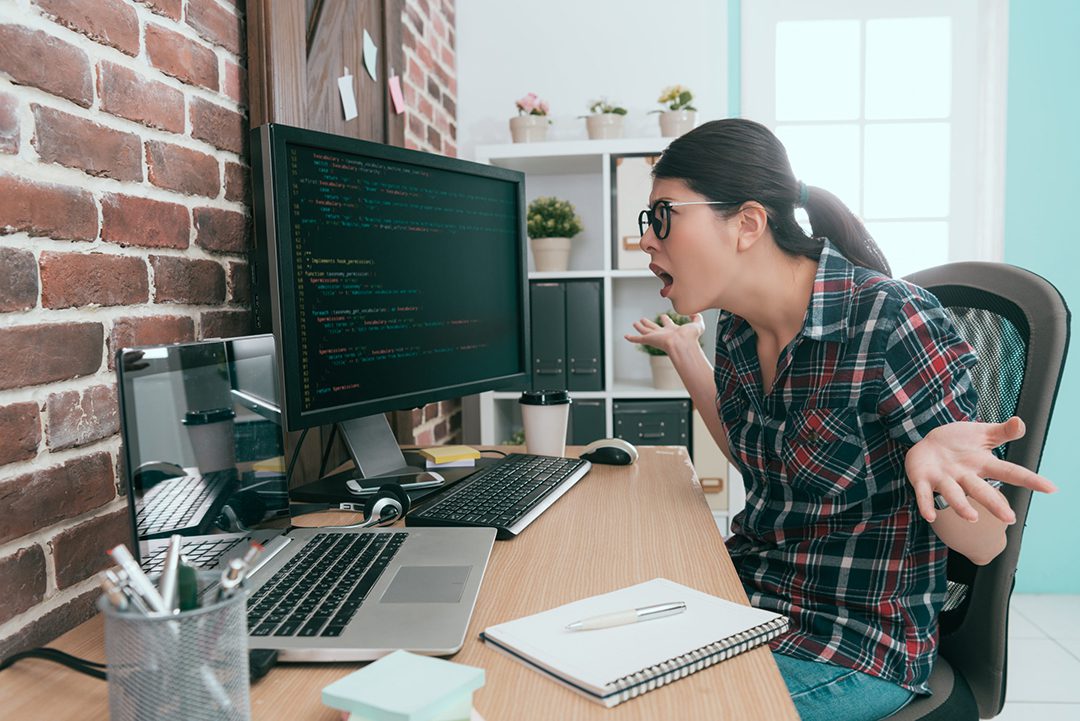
1018	324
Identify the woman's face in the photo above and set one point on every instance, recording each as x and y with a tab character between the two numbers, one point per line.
695	260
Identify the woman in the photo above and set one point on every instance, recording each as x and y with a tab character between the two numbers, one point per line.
844	398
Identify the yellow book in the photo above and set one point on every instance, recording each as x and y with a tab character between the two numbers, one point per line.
276	463
447	454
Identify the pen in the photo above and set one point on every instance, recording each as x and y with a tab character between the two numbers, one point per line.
633	615
187	586
252	553
168	583
138	580
231	578
119	577
112	591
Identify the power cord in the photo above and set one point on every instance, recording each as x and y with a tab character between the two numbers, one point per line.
326	451
82	665
260	661
295	456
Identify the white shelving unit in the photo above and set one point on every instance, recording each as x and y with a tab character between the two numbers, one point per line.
580	171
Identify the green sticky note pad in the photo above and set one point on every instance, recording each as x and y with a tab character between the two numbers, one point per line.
406	687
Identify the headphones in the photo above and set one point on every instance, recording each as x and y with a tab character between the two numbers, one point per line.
389	504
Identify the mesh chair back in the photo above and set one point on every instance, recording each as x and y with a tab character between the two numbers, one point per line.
1018	324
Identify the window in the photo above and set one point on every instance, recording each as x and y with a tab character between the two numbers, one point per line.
897	108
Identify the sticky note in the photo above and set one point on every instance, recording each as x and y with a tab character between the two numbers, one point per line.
348	98
395	94
406	687
370	54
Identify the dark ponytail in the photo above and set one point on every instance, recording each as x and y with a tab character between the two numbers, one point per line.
737	159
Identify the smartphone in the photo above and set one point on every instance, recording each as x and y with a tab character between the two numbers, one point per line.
428	479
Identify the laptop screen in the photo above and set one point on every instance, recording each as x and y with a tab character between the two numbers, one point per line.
202	439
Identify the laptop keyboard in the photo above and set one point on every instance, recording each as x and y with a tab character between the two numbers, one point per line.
201	554
178	504
500	495
321	588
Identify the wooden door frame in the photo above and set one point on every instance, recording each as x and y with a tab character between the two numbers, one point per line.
277	85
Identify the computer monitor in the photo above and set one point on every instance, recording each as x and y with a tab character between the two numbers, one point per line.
391	279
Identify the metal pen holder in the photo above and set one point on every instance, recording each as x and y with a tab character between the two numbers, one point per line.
184	667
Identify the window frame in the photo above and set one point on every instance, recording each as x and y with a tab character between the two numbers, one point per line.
977	113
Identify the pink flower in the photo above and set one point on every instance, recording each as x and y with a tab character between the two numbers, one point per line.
532	105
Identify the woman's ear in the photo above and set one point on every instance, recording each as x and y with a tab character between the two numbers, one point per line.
753	221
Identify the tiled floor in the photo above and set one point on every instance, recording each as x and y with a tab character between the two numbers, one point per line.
1044	659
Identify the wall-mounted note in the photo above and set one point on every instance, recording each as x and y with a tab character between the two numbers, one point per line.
348	97
370	54
395	94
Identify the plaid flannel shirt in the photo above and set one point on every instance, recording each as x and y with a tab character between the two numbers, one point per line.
831	535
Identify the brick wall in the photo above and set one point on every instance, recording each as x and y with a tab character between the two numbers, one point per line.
124	219
429	84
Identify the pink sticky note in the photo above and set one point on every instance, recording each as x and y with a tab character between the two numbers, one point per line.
396	96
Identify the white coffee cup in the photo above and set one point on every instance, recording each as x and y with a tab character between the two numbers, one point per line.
211	434
545	414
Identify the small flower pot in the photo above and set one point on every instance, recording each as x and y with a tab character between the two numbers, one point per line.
550	255
664	376
604	125
674	123
528	128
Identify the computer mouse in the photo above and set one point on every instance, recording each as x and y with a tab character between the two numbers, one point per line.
154	472
611	451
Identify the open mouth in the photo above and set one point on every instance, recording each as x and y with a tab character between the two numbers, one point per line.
663	276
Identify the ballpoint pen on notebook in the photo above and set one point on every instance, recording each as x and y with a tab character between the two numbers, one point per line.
633	615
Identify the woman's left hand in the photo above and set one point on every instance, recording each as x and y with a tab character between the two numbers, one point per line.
954	459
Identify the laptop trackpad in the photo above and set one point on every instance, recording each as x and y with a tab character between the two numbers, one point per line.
427	584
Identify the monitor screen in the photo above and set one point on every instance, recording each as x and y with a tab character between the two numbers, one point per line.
200	458
393	278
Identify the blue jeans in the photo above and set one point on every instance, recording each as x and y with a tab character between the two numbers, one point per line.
824	692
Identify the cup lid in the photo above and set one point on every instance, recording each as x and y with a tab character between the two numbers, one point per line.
214	415
544	398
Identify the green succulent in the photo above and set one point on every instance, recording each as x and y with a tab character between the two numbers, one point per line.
552	218
603	106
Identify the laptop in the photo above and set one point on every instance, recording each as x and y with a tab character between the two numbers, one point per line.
204	458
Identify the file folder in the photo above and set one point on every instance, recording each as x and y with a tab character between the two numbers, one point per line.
584	336
548	311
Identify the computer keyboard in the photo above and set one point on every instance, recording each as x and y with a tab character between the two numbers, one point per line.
508	495
201	554
320	589
179	504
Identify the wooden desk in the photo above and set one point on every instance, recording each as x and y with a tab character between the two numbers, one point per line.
619	526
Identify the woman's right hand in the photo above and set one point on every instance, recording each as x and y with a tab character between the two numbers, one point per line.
668	336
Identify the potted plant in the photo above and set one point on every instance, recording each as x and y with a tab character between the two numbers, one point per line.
551	223
531	123
664	376
679	116
605	120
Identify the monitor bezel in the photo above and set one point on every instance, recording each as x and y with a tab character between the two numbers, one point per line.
272	140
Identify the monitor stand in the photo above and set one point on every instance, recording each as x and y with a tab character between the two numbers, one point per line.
375	451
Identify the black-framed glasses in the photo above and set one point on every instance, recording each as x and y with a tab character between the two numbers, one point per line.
658	217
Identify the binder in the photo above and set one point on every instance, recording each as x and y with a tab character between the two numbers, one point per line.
547	303
612	665
584	336
588	421
653	422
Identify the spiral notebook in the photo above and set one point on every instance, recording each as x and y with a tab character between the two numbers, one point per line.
612	665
